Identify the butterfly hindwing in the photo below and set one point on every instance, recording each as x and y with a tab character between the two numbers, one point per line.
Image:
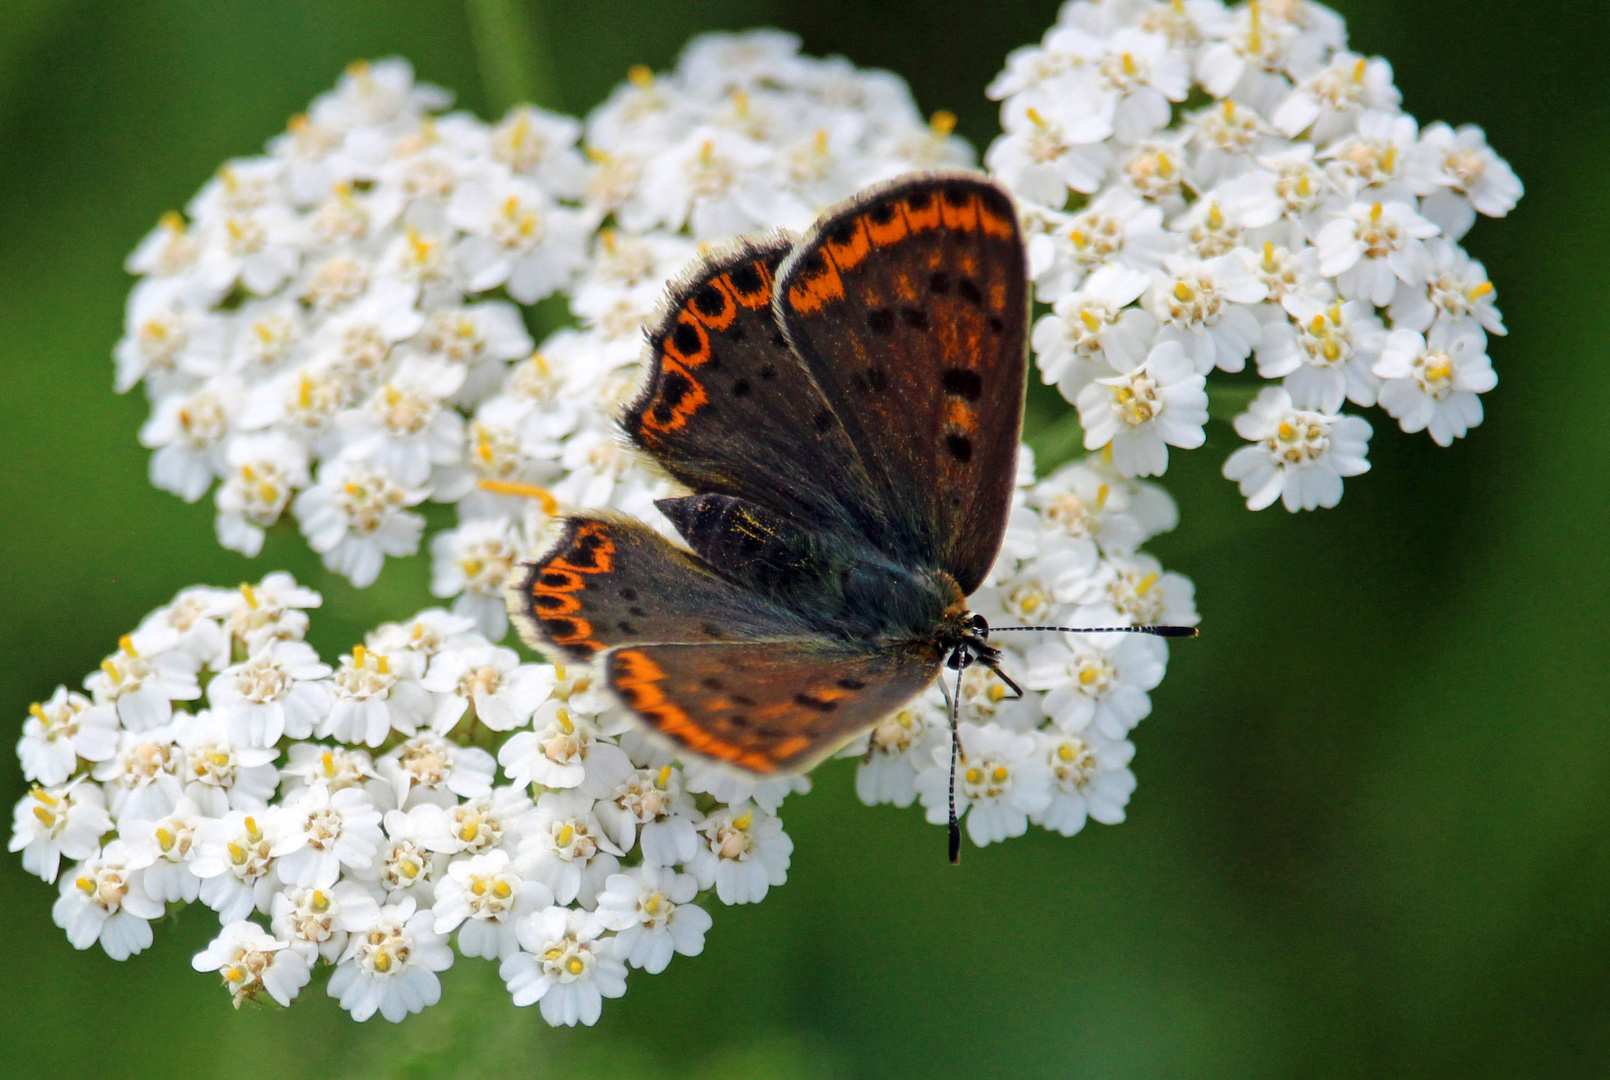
909	307
612	581
726	407
766	706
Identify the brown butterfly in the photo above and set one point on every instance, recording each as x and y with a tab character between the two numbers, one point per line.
846	410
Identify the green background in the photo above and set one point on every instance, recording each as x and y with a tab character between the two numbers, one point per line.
1372	836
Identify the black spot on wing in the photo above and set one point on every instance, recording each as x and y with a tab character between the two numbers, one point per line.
815	703
963	383
686	339
881	320
968	288
746	279
960	447
710	300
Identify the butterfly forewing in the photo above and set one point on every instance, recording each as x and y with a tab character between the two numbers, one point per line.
776	706
909	307
728	408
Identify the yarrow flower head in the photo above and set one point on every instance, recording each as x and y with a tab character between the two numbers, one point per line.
1297	213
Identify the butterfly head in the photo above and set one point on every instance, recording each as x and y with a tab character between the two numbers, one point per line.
964	641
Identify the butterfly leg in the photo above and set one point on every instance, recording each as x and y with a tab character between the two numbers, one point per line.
1017	691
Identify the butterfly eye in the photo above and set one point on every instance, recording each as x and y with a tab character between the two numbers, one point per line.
977	624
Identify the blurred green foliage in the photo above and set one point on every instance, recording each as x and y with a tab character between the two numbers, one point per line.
1372	836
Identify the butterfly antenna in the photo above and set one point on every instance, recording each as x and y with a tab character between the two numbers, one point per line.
955	829
1155	631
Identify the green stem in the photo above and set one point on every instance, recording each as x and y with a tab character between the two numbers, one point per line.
512	50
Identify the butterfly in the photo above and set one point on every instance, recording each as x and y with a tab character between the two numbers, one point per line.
846	411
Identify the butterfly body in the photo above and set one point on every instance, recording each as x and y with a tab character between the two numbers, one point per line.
845	410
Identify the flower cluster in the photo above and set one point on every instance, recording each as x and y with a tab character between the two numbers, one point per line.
331	332
1059	755
1207	184
427	788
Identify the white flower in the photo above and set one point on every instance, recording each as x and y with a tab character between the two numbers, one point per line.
406	427
745	853
372	93
650	808
414	642
316	921
66	820
1098	680
1370	247
168	342
102	900
1325	351
405	860
142	778
1327	103
1115	229
273	609
356	515
143	686
390	964
60	731
897	750
652	912
483	897
281	689
565	750
1299	455
1000	780
220	776
565	964
1374	161
188	433
253	962
318	832
1460	176
263	472
473	563
335	767
1458	290
1140	593
165	848
1090	779
429	769
1053	141
1093	331
374	698
1140	414
567	848
1432	382
729	786
188	624
1225	137
504	692
482	823
515	237
1202	305
541	145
